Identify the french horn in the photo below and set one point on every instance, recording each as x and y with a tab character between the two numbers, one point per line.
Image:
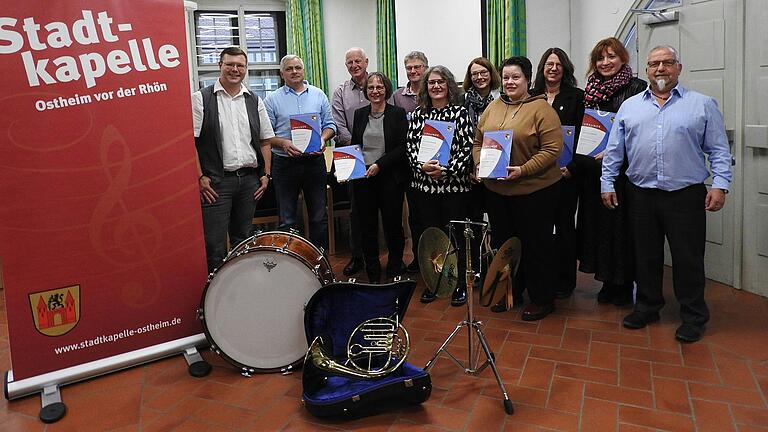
376	348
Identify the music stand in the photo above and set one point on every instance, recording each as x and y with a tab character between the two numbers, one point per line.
474	327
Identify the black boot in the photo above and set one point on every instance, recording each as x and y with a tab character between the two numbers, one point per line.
374	272
606	293
459	297
427	296
354	265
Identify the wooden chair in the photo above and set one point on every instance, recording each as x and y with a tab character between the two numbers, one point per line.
338	205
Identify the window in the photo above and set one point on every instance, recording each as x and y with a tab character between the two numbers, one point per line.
260	34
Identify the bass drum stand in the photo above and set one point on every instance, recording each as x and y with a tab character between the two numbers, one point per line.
474	328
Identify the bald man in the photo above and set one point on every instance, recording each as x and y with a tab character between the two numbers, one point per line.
348	97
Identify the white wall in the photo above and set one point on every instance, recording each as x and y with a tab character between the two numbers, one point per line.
348	23
447	31
547	25
573	25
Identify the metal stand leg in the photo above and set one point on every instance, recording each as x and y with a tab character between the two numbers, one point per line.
53	409
474	328
197	366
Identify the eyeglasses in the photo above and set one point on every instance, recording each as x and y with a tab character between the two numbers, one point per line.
436	83
414	67
379	88
235	66
478	74
551	65
656	63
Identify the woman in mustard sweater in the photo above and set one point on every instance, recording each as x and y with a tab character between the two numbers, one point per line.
523	204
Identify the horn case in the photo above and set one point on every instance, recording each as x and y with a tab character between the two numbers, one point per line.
333	313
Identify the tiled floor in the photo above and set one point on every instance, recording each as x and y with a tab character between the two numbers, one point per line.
578	369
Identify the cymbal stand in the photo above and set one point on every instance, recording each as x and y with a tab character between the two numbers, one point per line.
474	327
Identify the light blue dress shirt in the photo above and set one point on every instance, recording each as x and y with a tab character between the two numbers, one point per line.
284	102
665	146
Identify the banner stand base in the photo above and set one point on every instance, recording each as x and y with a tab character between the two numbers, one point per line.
197	366
53	409
49	384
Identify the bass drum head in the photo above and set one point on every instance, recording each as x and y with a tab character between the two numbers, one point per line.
254	309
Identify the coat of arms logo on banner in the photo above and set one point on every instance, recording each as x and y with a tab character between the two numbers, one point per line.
56	311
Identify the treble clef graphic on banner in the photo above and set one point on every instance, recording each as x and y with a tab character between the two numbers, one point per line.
127	236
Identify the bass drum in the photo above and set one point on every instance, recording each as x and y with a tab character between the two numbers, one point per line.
253	304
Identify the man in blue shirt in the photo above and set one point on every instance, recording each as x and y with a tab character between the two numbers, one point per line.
665	133
293	170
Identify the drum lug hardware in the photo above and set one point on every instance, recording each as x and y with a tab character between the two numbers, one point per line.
397	279
286	370
351	280
356	398
322	253
200	315
317	270
293	231
408	383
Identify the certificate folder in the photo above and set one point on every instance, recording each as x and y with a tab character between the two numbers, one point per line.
436	139
494	154
595	129
305	132
566	156
349	163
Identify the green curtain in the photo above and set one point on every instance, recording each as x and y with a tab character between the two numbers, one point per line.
304	22
386	48
506	29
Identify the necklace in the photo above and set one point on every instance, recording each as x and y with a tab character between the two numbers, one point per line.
376	115
662	97
504	119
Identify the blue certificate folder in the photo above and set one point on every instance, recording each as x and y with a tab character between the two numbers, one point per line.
436	139
349	163
305	132
566	156
494	154
595	129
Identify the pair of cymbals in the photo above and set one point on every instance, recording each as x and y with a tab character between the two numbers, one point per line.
501	274
438	262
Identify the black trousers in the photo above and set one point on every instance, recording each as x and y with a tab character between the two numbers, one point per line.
565	235
371	195
436	210
680	217
530	218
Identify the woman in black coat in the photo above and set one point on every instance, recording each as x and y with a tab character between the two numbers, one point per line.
380	129
554	77
605	247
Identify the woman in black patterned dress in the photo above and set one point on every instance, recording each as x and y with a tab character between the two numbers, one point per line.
439	194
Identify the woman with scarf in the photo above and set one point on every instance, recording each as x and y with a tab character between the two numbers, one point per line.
604	241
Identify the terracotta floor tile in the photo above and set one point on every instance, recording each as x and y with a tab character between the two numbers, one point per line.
603	355
750	416
576	339
751	428
546	418
537	374
727	395
685	373
586	373
520	395
404	426
620	338
488	415
621	395
599	415
534	339
553	325
712	417
590	324
623	427
635	374
697	355
443	417
671	395
735	372
652	355
662	337
559	355
566	395
656	419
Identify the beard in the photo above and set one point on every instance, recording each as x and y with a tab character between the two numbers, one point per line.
661	83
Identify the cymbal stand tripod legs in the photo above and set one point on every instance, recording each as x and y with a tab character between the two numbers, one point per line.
474	328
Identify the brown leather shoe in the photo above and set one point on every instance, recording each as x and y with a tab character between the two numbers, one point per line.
534	312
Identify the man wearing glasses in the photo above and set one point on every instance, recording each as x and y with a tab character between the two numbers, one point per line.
407	97
232	138
665	133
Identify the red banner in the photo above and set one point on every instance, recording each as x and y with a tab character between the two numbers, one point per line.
100	227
